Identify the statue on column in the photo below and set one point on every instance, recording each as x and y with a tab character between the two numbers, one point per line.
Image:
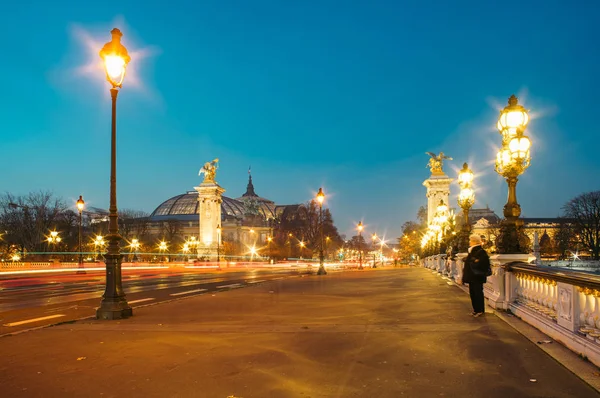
210	170
436	161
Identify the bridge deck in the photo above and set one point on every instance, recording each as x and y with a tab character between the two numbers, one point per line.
373	333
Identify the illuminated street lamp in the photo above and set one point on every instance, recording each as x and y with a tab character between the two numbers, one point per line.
269	241
186	250
466	199
320	199
302	246
134	246
98	242
114	304
53	239
80	205
162	247
219	244
360	229
374	239
512	161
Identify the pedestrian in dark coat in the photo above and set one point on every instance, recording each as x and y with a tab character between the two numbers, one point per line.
476	270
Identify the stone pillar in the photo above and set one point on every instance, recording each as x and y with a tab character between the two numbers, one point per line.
209	209
501	286
438	188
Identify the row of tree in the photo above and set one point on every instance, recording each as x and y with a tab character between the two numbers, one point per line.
26	222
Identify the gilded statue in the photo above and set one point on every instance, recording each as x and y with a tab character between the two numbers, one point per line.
210	170
435	163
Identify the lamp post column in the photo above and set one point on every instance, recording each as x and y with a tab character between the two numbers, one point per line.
320	199
360	228
80	204
114	304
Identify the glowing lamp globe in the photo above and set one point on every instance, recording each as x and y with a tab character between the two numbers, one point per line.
115	58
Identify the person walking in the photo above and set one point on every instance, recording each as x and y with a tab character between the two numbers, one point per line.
476	270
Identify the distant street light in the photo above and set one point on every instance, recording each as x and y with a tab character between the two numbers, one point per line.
186	250
374	238
114	304
53	240
360	229
162	247
80	205
134	246
219	245
320	199
269	242
99	243
466	199
512	161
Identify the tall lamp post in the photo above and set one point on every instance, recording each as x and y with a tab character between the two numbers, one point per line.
162	248
80	204
320	199
269	242
98	242
466	199
360	229
54	239
219	245
374	238
114	304
512	161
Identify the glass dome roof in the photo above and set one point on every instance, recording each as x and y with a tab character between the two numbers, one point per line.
185	208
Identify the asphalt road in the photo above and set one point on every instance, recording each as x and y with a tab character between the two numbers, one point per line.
38	300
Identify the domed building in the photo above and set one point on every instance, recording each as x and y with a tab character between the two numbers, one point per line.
247	220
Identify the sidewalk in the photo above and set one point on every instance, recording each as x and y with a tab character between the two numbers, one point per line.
377	333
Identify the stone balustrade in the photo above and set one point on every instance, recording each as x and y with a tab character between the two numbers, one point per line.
563	304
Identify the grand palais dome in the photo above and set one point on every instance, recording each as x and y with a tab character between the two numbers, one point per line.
184	207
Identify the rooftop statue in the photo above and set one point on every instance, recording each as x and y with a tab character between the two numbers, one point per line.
210	170
435	163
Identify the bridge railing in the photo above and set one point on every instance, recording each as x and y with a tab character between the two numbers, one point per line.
563	304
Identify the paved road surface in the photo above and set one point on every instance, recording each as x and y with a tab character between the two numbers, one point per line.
377	333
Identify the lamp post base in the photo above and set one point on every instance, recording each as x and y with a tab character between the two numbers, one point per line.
321	270
110	310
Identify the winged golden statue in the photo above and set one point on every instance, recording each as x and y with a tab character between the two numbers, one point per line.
436	161
210	170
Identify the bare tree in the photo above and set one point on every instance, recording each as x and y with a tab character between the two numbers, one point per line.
28	219
585	212
133	224
170	230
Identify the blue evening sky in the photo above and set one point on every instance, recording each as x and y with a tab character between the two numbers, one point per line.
347	95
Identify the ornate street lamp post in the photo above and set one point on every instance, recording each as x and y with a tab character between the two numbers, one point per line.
54	239
185	249
219	245
374	238
98	242
320	199
114	304
162	248
360	229
269	242
80	204
512	161
466	199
